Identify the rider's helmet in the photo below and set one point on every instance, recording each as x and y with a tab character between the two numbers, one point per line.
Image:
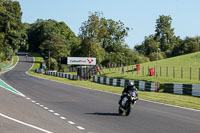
131	84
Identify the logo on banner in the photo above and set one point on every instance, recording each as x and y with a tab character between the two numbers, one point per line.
90	61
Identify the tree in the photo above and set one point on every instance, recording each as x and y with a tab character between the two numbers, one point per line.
2	55
163	38
189	45
150	45
24	36
149	48
10	28
41	29
165	34
53	64
55	46
100	33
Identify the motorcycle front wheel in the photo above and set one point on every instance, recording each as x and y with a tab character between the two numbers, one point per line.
120	111
128	108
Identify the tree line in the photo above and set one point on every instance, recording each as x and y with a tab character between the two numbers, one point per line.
165	43
98	37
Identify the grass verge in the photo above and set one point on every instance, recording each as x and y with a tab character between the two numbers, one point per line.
173	99
15	59
4	63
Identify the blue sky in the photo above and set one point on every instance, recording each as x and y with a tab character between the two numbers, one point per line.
140	15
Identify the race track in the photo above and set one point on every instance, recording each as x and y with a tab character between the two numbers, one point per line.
96	111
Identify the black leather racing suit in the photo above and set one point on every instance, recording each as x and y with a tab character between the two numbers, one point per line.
126	90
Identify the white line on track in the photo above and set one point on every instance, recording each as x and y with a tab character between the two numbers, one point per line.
171	105
56	114
63	118
26	124
51	111
72	123
46	108
81	128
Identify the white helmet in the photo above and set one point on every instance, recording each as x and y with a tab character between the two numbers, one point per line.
131	84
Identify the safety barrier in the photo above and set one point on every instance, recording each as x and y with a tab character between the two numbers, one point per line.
184	89
141	85
62	75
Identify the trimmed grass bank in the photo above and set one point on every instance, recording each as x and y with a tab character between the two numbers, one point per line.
15	59
171	70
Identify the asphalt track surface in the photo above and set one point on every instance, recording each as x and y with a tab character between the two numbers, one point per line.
96	111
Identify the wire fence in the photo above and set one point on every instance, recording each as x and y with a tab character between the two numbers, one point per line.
185	73
188	73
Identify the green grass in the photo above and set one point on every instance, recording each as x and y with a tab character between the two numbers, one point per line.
4	63
15	58
38	61
173	99
165	70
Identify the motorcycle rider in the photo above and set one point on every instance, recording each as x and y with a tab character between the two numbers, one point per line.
130	87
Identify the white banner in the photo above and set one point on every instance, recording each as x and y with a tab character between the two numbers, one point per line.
81	61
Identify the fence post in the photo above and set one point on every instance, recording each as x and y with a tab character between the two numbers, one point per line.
182	72
88	72
173	72
132	69
127	69
166	71
143	71
199	74
190	73
160	71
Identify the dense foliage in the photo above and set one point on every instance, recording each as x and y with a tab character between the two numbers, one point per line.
12	35
105	39
54	39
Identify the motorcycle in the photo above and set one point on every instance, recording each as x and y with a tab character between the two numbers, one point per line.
127	102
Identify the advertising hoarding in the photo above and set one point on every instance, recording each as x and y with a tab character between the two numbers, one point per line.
81	61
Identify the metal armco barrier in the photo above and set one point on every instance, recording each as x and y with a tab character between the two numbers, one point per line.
141	85
183	89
